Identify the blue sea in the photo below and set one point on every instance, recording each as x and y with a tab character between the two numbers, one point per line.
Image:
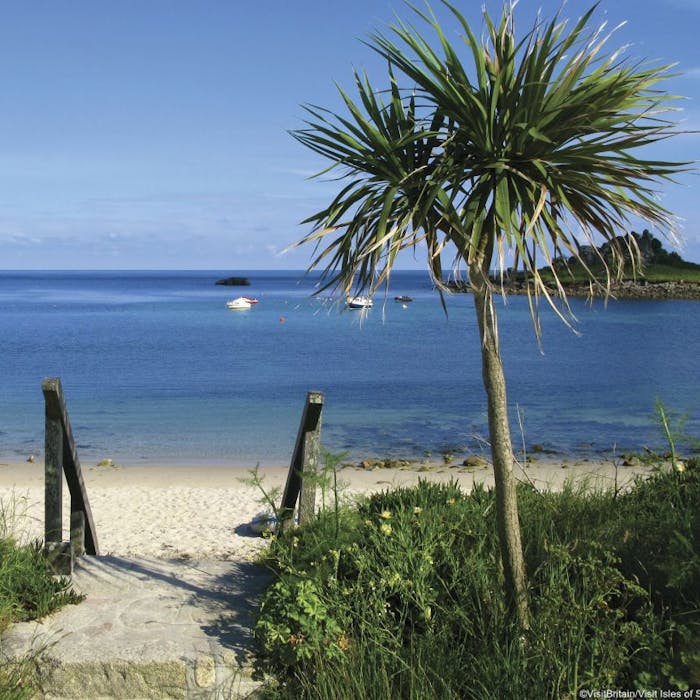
155	368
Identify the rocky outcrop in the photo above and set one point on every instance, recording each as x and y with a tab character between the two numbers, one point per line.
641	289
369	464
646	290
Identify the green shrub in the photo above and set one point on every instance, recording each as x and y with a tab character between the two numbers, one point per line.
404	599
296	625
28	591
28	588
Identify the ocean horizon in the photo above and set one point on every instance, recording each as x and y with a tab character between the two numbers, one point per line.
156	369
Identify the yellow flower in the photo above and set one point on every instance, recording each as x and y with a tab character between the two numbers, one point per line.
385	529
395	579
450	501
417	510
385	515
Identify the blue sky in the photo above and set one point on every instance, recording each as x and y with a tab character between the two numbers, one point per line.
153	133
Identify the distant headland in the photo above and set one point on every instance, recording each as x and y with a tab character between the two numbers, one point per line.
663	274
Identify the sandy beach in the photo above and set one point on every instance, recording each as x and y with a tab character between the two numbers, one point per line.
178	512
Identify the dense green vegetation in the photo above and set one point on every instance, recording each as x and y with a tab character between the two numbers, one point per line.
28	591
402	596
687	273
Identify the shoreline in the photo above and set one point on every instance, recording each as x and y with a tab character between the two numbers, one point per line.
167	512
534	453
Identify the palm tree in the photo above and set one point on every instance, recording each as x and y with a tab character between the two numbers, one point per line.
532	151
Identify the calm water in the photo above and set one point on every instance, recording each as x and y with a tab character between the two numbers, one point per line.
156	368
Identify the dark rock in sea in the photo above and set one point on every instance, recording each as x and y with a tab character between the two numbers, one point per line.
234	281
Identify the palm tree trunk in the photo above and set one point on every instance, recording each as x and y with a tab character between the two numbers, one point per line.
501	449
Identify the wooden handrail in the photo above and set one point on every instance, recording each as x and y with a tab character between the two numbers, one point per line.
61	457
305	460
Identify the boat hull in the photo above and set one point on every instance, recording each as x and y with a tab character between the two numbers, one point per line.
359	303
240	304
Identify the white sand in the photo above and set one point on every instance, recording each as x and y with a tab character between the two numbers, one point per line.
202	512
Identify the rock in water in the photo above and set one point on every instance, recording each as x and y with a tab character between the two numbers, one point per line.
234	281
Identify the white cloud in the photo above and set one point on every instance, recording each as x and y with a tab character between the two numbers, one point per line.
19	239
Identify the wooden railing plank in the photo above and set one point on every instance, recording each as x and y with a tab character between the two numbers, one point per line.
68	462
53	479
304	461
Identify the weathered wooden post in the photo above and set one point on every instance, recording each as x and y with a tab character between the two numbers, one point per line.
305	462
53	472
77	533
61	457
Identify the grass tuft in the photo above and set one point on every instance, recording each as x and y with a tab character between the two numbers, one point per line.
29	590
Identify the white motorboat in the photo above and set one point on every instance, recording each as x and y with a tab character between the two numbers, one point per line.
359	302
239	304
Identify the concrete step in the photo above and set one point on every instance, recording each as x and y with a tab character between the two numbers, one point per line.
148	628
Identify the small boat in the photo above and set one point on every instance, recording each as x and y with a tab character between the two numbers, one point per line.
238	304
359	303
403	298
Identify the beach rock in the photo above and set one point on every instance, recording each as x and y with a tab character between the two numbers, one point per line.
262	524
369	464
475	461
539	448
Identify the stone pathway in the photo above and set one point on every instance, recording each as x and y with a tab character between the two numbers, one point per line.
148	628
